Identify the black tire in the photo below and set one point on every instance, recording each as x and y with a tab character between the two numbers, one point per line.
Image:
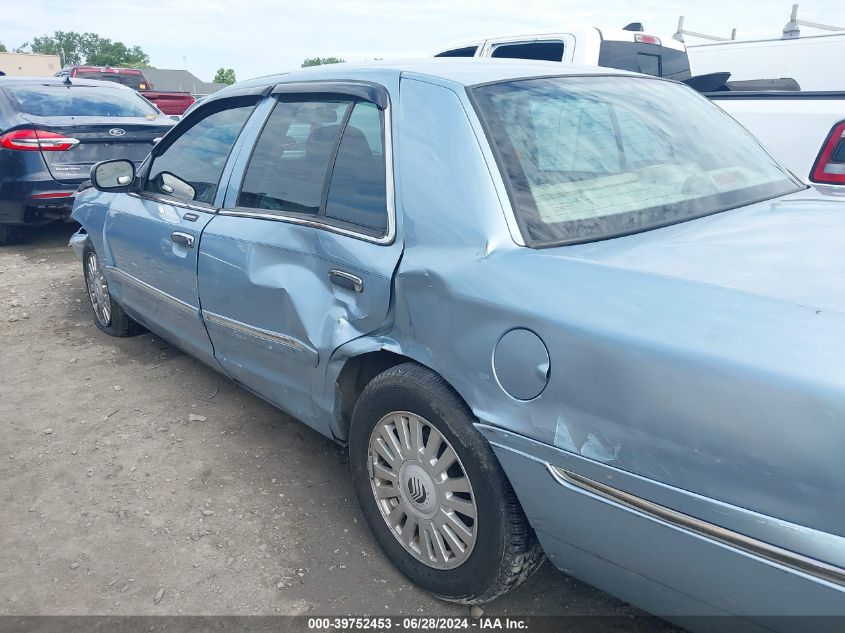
118	324
506	550
9	234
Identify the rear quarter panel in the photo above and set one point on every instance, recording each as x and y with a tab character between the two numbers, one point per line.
646	376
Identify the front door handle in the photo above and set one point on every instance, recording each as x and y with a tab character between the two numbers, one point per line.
182	239
346	280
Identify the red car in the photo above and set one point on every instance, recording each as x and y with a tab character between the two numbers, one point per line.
167	102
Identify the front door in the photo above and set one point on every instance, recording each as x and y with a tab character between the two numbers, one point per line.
153	236
301	258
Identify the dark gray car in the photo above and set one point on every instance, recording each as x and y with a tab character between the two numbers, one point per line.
52	131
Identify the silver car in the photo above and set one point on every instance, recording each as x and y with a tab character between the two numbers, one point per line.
550	311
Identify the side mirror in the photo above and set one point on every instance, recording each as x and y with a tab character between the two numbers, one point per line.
113	175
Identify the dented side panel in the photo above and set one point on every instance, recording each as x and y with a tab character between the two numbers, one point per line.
272	312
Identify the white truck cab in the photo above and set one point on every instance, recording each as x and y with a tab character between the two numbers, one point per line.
627	49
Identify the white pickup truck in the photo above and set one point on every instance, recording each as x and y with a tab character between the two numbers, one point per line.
805	131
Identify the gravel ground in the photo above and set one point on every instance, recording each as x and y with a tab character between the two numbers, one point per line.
137	481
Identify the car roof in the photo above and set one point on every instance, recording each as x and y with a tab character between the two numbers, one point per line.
461	72
60	81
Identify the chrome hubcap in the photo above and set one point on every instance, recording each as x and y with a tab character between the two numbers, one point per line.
98	290
422	490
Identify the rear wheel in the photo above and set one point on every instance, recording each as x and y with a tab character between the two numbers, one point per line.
9	234
108	315
432	491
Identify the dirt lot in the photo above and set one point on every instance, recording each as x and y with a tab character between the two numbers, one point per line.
136	481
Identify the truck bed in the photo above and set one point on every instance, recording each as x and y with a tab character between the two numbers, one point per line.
791	125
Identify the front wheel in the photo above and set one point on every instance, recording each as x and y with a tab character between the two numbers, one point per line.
108	315
432	491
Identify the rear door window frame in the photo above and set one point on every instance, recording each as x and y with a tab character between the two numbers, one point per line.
355	91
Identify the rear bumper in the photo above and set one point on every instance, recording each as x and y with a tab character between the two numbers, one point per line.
653	561
35	210
28	192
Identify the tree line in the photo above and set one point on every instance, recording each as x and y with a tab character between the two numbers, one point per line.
90	49
75	49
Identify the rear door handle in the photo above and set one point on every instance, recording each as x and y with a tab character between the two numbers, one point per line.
183	239
346	280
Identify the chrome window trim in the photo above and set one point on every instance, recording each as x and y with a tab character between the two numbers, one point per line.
390	197
251	330
152	290
747	544
174	202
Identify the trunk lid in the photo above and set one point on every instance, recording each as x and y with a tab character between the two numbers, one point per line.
788	249
99	139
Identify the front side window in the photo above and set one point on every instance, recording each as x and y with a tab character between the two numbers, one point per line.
79	101
321	157
589	158
544	51
189	168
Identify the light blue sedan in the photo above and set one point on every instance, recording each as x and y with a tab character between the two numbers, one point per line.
551	311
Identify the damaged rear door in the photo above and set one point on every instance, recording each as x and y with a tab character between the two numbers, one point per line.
300	260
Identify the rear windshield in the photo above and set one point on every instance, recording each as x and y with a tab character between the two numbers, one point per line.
61	100
640	57
133	80
589	158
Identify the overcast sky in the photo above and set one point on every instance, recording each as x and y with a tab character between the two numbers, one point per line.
259	37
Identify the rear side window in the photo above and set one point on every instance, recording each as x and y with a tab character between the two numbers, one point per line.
190	167
649	59
357	188
288	167
466	51
84	101
321	157
544	51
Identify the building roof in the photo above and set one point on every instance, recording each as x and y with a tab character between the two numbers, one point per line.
167	80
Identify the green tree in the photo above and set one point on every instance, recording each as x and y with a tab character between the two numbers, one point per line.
89	48
319	61
2	47
225	76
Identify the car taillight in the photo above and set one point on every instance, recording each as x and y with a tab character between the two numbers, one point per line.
37	140
829	168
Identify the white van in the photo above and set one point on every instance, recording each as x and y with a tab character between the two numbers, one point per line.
813	61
